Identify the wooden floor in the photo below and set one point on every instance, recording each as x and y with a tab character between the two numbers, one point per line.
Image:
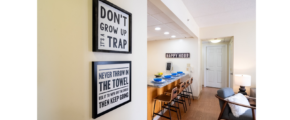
205	108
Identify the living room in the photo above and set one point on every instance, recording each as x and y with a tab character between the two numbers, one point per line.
199	59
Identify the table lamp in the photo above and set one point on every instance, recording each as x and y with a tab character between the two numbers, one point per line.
242	81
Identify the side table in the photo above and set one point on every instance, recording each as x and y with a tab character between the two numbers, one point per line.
251	101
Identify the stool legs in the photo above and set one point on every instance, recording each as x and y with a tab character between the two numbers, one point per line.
186	93
182	101
178	110
191	92
153	109
169	110
171	106
161	108
188	96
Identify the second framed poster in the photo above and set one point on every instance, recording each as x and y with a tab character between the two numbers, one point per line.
112	28
111	86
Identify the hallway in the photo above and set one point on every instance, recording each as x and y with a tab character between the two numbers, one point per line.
205	108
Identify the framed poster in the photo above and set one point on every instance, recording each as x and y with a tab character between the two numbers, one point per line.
111	86
112	28
177	55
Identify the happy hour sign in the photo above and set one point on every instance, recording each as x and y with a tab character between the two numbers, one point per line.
111	86
111	28
177	55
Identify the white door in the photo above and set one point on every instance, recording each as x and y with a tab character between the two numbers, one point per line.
215	66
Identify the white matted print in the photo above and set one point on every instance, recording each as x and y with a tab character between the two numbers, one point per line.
111	85
111	28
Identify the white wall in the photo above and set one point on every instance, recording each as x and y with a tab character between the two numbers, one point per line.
244	46
156	59
65	56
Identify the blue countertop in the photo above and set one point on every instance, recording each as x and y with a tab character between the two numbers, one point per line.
168	81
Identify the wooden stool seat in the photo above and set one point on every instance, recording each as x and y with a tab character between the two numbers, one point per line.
164	98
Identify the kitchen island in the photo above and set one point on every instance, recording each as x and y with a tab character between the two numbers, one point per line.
153	90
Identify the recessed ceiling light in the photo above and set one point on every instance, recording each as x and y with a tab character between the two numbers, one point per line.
215	41
166	33
173	36
157	28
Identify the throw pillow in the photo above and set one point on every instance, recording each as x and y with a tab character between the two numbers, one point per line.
236	109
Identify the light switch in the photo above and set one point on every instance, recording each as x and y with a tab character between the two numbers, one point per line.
188	64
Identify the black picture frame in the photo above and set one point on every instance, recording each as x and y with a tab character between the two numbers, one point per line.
96	26
95	86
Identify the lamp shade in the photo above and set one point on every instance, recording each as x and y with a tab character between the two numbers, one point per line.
242	80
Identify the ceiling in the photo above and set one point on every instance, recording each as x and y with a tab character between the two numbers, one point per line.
206	13
156	18
218	12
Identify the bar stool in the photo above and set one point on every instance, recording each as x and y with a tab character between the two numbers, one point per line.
190	88
165	98
180	87
188	85
184	93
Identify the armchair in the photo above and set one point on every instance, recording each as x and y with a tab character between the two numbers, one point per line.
225	109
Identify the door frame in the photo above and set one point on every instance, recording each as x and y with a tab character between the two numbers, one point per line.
225	62
231	63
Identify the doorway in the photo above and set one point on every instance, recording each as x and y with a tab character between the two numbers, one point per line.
218	55
215	66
